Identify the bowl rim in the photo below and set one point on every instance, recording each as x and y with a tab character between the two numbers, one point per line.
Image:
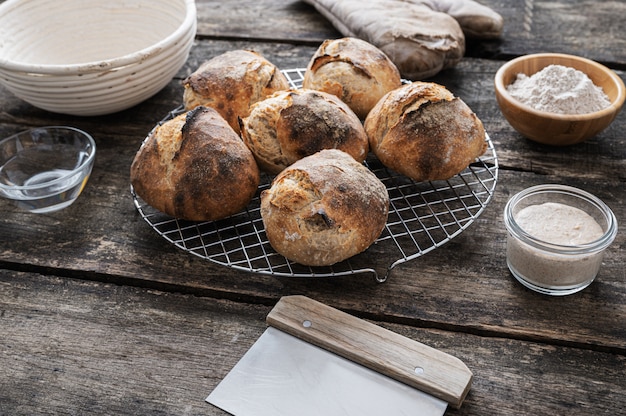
88	161
188	23
613	108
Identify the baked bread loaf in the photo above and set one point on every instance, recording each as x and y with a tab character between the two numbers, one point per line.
231	83
195	167
290	125
421	37
424	132
355	71
324	208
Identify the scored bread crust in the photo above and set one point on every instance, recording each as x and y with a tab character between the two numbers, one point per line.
290	125
354	70
195	167
324	208
424	132
231	83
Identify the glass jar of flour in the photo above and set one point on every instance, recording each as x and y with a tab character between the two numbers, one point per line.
557	236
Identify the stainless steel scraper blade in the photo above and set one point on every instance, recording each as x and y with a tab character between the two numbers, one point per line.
283	375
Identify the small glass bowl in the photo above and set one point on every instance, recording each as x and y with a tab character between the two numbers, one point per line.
546	267
45	169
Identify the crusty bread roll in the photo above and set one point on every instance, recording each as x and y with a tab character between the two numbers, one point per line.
324	208
290	125
424	132
195	167
355	71
231	83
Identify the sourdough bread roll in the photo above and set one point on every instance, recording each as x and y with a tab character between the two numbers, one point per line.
355	71
324	208
290	125
424	132
231	83
195	167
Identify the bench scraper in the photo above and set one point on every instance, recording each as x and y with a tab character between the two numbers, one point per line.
315	360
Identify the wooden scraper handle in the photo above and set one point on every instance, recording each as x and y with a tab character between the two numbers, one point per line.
413	363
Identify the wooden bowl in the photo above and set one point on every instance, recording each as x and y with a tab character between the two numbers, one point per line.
552	128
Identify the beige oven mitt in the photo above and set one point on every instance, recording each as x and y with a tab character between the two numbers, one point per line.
421	37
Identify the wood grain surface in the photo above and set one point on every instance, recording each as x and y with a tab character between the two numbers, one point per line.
71	346
100	315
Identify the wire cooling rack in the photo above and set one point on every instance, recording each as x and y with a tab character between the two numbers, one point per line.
422	217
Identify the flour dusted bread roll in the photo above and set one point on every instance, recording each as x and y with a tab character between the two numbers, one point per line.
290	125
231	83
355	71
324	208
195	167
424	132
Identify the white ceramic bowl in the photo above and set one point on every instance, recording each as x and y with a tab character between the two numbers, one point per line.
92	57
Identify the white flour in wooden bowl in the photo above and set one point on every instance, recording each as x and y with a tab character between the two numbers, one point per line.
559	89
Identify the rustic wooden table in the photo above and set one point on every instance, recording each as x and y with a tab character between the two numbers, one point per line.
100	315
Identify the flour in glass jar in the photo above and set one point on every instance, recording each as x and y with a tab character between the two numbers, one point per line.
559	89
555	223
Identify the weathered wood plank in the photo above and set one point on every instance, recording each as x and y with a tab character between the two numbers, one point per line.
100	315
463	284
102	233
582	27
77	347
588	28
472	80
290	21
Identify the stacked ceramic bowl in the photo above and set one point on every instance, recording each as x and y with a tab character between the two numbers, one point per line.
92	57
